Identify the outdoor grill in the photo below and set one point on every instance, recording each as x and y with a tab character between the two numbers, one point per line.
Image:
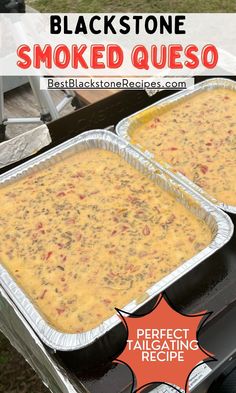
209	286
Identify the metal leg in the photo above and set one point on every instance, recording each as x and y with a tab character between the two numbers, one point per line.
48	110
75	101
2	119
23	120
70	98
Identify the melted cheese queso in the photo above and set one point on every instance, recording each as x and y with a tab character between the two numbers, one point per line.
91	233
197	137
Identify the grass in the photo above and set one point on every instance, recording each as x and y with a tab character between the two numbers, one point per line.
179	6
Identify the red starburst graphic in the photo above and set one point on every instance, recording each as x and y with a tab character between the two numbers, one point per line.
162	346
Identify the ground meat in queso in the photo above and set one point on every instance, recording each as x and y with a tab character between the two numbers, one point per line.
91	233
197	137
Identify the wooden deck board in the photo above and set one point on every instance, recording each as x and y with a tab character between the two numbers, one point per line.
91	96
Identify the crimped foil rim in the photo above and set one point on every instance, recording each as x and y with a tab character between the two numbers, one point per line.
122	129
69	342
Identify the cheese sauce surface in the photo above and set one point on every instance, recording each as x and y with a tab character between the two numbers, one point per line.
197	137
91	233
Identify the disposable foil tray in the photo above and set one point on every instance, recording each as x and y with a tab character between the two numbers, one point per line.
124	126
219	223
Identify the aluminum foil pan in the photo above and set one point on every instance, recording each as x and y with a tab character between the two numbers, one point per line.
219	223
21	336
123	128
